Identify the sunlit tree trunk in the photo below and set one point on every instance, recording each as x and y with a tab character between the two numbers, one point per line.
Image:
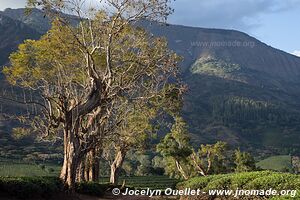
181	170
116	167
72	157
80	172
93	170
88	170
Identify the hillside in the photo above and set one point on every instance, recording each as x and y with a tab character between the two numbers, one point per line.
230	46
12	33
240	89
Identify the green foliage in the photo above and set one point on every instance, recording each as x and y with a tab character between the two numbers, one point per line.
158	165
25	188
278	181
242	110
176	143
213	155
44	187
244	162
262	180
20	133
213	66
276	163
196	182
181	161
175	147
91	188
41	59
144	165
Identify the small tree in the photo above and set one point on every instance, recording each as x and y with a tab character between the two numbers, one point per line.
132	134
244	162
175	149
209	158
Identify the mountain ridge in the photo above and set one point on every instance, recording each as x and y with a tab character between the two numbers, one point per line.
247	95
201	36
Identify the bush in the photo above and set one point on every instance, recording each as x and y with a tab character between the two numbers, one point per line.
50	170
219	183
262	180
279	181
239	180
92	188
25	188
44	187
199	182
42	166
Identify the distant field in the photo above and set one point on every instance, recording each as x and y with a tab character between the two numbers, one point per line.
10	168
277	163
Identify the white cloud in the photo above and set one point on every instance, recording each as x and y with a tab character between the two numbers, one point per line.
12	4
241	15
296	53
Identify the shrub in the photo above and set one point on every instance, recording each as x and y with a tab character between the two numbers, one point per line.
25	188
279	181
239	180
91	188
219	183
50	170
262	180
42	166
199	182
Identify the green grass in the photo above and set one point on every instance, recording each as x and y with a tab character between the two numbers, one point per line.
10	168
277	163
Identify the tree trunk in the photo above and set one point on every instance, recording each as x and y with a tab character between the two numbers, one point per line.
71	161
93	171
181	170
89	167
80	177
116	167
197	165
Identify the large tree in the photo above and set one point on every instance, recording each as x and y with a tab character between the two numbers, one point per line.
82	71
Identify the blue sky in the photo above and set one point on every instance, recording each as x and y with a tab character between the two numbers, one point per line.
275	22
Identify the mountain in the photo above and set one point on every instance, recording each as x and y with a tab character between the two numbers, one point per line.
240	89
12	33
34	18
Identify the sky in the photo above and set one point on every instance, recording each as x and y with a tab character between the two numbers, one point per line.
275	22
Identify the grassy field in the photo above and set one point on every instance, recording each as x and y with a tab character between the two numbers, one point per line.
277	163
9	168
